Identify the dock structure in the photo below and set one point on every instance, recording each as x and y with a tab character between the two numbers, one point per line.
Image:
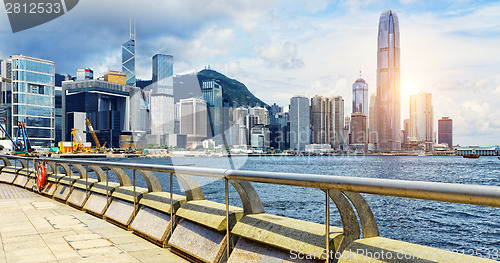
81	215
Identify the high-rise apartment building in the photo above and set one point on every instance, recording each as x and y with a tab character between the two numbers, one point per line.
445	131
128	59
388	83
299	123
31	97
421	118
162	96
360	96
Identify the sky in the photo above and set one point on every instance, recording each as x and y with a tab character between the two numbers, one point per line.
282	48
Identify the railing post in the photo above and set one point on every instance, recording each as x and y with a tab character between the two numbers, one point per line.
135	197
86	181
171	206
227	218
327	225
107	189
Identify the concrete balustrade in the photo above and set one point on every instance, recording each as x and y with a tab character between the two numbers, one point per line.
205	231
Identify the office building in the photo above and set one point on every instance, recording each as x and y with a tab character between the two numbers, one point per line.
193	120
321	120
338	123
84	74
28	87
388	83
116	77
239	115
212	94
260	137
163	74
128	59
300	131
360	96
162	98
275	109
372	121
261	114
112	108
358	128
445	131
421	118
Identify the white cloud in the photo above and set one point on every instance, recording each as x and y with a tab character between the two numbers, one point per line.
279	54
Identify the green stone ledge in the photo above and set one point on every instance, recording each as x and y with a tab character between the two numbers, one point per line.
210	214
127	193
287	234
381	247
85	184
100	188
161	201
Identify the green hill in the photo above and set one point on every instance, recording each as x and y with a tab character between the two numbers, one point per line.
233	91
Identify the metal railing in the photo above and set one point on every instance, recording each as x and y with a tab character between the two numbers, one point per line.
343	191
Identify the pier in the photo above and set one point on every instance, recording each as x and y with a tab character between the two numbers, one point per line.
87	215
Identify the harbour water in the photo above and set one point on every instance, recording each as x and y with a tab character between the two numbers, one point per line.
436	224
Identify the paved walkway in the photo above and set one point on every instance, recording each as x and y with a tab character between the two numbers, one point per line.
34	228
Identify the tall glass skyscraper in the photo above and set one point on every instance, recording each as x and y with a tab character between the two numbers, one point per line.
33	82
300	131
212	94
162	95
128	60
388	83
163	74
360	96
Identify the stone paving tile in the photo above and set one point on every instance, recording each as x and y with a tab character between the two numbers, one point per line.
38	229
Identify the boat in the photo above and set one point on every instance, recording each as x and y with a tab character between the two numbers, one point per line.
471	156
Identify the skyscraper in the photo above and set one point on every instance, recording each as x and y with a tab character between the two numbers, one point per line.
421	118
358	128
261	113
299	123
445	131
360	96
212	94
128	58
162	95
193	120
338	122
372	120
163	74
32	97
388	83
321	120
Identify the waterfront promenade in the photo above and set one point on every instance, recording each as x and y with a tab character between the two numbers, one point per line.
34	228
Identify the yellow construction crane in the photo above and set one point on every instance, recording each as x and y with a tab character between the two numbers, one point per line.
77	141
97	144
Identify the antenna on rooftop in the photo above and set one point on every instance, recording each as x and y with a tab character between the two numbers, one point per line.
132	34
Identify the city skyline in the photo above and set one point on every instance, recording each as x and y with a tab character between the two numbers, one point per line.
323	59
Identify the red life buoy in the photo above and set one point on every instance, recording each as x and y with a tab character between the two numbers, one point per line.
40	176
